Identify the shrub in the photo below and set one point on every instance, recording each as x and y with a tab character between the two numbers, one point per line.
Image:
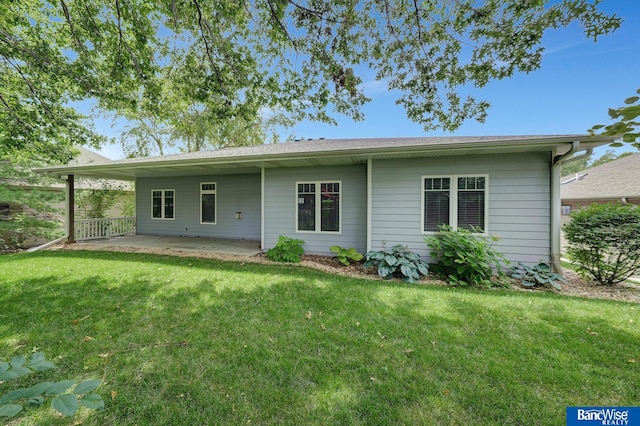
62	401
604	241
397	261
464	258
537	275
286	250
345	256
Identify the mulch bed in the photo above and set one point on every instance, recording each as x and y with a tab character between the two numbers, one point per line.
575	286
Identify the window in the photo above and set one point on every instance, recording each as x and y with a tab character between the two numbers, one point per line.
162	203
565	210
459	201
208	202
318	207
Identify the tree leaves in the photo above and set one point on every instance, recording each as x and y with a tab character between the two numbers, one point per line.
302	59
66	403
627	125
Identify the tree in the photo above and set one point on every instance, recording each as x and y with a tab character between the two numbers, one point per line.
236	59
627	126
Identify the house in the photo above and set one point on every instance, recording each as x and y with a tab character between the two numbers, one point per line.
361	193
53	193
84	157
617	180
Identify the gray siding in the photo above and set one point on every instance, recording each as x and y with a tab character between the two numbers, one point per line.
234	193
519	201
281	203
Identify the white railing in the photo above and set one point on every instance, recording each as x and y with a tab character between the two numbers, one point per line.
93	229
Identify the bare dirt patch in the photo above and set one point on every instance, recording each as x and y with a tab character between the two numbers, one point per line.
575	286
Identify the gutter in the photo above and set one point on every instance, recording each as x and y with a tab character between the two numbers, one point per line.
556	202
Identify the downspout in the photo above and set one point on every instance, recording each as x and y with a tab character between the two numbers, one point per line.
46	245
556	202
262	177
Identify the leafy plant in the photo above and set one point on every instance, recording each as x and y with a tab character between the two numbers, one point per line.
464	258
62	401
398	261
604	241
537	275
287	249
345	256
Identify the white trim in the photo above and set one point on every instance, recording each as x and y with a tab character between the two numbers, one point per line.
162	205
453	201
318	206
215	202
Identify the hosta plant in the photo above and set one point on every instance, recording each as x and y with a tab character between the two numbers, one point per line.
398	261
539	275
346	256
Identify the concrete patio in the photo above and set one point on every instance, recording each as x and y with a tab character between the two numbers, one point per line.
207	245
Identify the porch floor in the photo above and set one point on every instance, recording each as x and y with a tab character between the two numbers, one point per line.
209	245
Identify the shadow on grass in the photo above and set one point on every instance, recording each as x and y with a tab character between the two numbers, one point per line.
196	341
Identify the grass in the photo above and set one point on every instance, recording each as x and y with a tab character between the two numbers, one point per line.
196	341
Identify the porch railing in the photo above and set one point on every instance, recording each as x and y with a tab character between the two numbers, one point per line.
93	229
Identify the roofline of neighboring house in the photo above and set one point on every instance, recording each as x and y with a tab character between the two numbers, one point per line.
318	150
604	198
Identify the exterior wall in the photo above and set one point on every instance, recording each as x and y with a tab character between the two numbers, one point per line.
519	201
234	193
281	203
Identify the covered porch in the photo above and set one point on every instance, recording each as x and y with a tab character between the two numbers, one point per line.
188	244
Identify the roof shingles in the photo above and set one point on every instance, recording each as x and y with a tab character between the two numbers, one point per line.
613	180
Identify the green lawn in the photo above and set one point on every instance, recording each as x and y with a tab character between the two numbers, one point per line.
196	341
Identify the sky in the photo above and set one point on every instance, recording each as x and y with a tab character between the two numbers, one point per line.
577	83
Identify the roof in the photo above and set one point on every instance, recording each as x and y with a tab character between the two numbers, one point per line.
616	179
321	152
84	157
87	157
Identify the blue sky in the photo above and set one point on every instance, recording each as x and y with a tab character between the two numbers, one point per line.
572	91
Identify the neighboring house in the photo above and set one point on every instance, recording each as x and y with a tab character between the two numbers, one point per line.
361	193
85	157
617	180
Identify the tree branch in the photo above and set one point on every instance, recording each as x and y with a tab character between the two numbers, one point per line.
123	42
14	113
67	17
282	26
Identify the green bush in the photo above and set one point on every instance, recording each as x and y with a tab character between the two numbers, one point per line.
286	250
537	275
345	256
464	258
397	261
66	403
604	241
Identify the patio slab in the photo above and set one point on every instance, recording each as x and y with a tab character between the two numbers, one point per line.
195	244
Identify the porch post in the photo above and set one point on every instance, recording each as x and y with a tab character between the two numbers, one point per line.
71	216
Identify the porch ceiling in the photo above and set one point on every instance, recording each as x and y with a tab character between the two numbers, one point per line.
319	153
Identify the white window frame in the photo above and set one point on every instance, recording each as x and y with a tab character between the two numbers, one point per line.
453	201
162	205
318	204
215	202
